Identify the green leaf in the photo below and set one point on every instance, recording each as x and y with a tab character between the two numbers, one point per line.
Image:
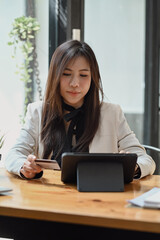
36	28
22	32
30	70
30	36
10	43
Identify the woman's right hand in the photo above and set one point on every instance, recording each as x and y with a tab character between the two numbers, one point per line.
30	168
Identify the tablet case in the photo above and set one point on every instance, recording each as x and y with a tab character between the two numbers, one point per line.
100	177
98	171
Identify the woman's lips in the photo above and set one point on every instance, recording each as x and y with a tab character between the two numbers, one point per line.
73	93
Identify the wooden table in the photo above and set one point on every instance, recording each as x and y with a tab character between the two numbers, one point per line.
49	205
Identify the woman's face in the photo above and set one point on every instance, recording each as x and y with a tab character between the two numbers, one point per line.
75	81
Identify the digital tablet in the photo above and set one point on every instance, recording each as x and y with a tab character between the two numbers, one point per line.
48	164
70	161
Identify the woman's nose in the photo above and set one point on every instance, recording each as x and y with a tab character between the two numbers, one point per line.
74	82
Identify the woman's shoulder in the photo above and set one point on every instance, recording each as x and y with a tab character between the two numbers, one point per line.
107	106
34	109
35	106
111	111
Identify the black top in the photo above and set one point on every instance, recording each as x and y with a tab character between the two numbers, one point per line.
76	127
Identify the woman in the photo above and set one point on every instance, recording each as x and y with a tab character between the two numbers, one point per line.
73	117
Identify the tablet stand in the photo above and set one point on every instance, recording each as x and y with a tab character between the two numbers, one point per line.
100	176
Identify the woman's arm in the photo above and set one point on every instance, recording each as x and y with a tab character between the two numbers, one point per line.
129	143
26	143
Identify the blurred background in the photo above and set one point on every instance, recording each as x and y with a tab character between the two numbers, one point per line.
124	35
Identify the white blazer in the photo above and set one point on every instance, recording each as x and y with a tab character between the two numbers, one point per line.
112	136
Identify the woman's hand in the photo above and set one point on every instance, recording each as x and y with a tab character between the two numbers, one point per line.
122	151
30	168
137	171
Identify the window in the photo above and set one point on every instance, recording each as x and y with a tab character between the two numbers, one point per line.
12	89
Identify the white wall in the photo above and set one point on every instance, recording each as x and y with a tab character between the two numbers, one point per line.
11	90
115	29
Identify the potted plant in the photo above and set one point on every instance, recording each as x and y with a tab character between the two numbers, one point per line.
22	35
1	143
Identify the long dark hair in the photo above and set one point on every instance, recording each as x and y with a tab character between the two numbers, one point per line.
52	125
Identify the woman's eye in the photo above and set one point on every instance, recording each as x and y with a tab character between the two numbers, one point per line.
83	75
66	74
